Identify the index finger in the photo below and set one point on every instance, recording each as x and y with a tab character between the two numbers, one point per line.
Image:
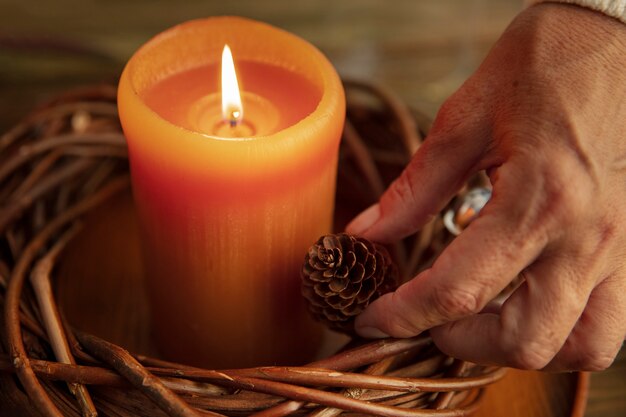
473	269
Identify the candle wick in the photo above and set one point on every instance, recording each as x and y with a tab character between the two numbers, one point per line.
235	118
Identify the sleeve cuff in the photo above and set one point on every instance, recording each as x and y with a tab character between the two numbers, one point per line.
613	8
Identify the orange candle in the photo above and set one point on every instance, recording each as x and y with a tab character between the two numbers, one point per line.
230	198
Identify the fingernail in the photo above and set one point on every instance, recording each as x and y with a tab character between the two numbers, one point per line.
371	333
365	220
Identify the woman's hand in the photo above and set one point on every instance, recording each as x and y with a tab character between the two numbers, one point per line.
545	115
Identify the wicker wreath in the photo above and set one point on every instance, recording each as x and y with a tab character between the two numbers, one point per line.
69	156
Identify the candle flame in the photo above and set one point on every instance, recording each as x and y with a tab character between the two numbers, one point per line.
232	110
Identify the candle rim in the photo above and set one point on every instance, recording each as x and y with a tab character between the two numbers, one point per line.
330	87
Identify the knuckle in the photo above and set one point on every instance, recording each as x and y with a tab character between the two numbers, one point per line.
596	358
598	363
452	302
456	112
563	201
530	356
558	202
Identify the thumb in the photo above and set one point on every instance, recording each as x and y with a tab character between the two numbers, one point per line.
436	172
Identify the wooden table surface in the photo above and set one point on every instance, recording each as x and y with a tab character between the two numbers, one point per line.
421	49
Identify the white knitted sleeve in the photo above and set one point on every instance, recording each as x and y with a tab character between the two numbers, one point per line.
614	8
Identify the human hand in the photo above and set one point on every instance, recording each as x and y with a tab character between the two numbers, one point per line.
545	115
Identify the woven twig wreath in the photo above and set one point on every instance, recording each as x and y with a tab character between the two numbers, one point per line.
69	156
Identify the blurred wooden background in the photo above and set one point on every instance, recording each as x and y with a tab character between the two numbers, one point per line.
422	49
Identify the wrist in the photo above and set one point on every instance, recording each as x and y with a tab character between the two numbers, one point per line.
569	37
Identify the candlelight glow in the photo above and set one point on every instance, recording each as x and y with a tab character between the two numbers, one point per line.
232	110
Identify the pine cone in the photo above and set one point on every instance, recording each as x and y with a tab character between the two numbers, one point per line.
342	274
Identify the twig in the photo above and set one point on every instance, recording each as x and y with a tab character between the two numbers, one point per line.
279	410
355	358
385	156
421	243
21	203
94	151
378	368
364	159
330	378
38	171
370	353
336	400
459	367
95	375
399	110
40	280
31	151
49	113
138	376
